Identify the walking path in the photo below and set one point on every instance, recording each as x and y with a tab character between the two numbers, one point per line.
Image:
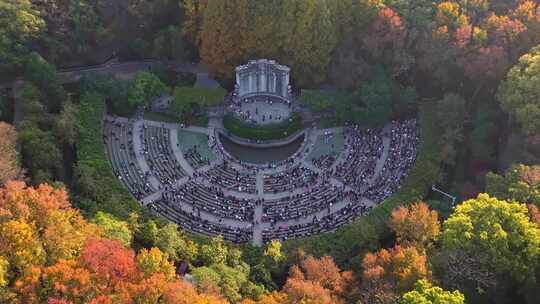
382	160
141	160
260	184
258	227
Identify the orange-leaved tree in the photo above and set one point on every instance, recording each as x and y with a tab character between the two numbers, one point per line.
388	273
318	280
415	225
50	254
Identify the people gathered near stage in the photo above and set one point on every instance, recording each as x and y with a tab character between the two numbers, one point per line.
298	197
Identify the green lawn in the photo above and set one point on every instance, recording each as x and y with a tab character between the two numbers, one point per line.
187	140
323	147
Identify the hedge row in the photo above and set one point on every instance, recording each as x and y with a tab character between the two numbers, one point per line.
349	243
96	186
270	132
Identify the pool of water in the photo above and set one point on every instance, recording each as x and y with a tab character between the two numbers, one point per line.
261	155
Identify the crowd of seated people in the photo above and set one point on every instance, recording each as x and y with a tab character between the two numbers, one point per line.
156	148
401	157
212	200
319	198
326	223
324	162
229	178
195	159
290	179
118	140
363	148
192	222
298	206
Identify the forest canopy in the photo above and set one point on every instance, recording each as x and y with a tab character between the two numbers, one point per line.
463	226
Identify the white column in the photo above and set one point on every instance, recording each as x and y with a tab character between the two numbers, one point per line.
274	86
250	90
264	84
284	85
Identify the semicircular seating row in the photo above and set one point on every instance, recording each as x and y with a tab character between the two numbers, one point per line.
222	199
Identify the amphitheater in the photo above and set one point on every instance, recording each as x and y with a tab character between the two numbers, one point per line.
190	175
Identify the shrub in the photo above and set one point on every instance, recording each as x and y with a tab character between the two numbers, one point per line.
270	132
97	188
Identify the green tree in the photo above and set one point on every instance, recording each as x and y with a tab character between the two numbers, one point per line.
150	16
416	13
518	94
113	228
484	135
30	99
115	91
74	30
67	125
354	16
45	77
425	293
169	44
214	252
376	99
175	244
146	86
19	22
224	23
148	233
154	261
310	33
40	152
451	115
273	251
232	281
520	183
497	229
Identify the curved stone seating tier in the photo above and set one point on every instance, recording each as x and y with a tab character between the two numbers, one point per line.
401	157
324	162
302	205
213	201
227	177
117	137
327	223
363	149
158	153
290	179
195	224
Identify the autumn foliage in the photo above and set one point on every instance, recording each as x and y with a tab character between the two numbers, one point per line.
50	254
415	225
